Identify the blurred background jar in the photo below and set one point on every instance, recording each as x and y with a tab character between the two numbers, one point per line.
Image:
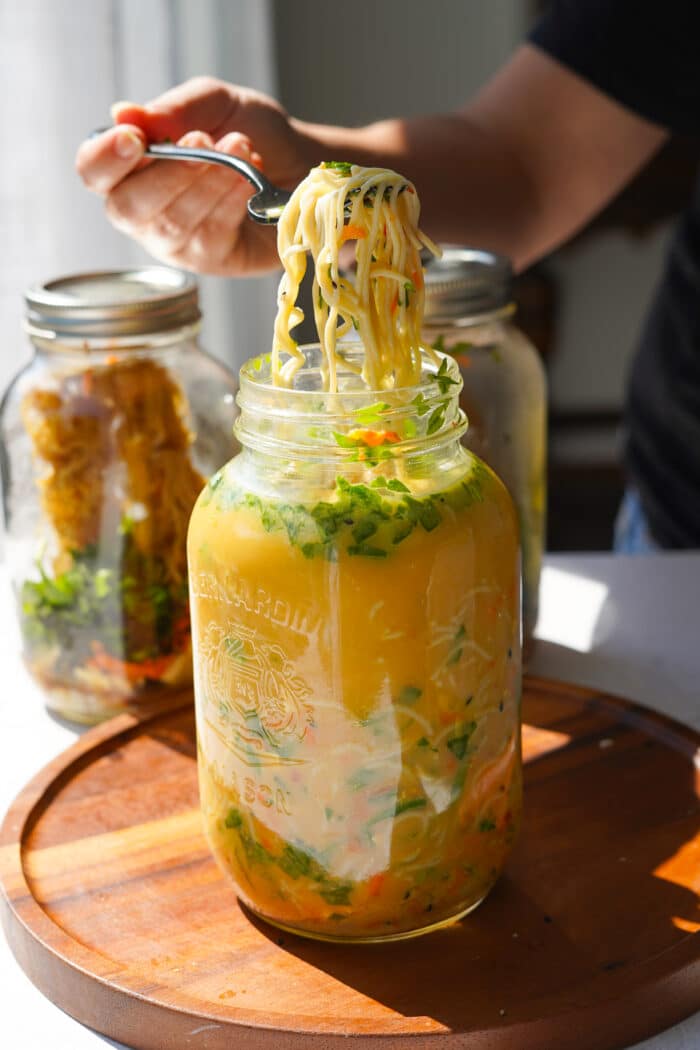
470	314
107	437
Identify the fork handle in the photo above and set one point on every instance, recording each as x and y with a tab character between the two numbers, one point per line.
166	150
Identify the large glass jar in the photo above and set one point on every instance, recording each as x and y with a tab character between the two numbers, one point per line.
469	313
355	589
108	436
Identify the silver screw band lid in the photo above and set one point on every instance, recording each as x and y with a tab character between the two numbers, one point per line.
466	282
113	303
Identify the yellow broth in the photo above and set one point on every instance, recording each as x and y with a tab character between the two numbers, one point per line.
357	678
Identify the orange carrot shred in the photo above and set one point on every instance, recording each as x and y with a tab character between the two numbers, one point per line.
375	884
352	233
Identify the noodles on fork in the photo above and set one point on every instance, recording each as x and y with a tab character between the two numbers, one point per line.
382	301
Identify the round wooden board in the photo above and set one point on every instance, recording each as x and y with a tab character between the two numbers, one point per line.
116	911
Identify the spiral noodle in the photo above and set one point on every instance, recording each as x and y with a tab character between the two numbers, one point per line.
382	301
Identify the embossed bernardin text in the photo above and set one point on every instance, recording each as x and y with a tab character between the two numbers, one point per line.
231	590
253	698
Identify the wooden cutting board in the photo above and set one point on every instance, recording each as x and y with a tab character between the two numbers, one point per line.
115	910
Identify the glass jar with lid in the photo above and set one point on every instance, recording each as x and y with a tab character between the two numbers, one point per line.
355	591
108	436
470	314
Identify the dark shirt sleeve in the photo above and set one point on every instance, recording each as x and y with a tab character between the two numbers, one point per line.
645	54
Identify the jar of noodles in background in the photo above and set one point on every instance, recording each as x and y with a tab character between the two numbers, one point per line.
355	589
469	313
108	436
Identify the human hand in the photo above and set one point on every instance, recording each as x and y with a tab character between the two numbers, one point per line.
194	215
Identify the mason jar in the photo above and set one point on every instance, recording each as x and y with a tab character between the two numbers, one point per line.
470	314
107	437
355	590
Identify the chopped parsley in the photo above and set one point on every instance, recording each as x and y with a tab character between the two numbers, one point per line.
410	803
409	694
443	380
130	607
294	861
371	413
455	350
363	520
343	167
459	742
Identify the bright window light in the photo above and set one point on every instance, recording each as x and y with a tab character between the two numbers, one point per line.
570	609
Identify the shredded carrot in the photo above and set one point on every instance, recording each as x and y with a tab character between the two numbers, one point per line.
375	884
417	278
395	303
352	233
266	839
373	438
132	671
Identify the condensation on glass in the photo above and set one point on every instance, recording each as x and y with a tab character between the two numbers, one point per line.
108	436
355	589
470	315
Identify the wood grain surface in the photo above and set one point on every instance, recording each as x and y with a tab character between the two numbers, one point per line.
115	909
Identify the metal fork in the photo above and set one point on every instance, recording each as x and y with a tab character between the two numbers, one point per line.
265	206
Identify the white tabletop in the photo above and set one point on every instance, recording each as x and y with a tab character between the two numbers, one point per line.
628	625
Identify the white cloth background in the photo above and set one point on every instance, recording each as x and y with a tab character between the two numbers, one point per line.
62	63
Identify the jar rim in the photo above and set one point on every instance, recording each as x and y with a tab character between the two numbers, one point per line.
256	367
317	422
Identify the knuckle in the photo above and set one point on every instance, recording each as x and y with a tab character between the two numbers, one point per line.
234	142
206	85
117	214
201	245
196	138
168	229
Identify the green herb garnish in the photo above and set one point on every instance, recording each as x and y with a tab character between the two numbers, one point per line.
371	413
443	380
384	512
410	803
343	167
453	351
437	418
459	743
131	608
409	694
295	861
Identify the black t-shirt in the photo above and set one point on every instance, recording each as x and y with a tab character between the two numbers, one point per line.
646	55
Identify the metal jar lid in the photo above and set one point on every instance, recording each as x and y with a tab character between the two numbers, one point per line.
466	282
112	304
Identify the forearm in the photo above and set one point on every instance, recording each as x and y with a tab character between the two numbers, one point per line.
526	164
472	189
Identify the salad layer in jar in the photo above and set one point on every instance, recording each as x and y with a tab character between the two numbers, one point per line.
104	610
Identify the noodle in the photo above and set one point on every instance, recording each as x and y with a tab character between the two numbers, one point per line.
378	210
110	611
